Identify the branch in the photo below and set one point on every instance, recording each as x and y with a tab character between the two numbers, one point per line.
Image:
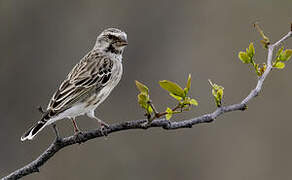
61	143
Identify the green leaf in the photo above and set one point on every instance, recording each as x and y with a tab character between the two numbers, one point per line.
279	52
168	116
169	113
282	57
176	97
142	100
279	65
215	86
218	102
214	93
149	109
172	88
217	92
250	51
168	110
220	93
142	97
186	91
244	57
189	82
219	97
257	69
142	88
193	102
287	54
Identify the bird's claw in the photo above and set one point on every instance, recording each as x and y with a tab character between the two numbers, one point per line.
78	135
103	129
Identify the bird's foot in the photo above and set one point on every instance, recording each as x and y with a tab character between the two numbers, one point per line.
78	136
103	128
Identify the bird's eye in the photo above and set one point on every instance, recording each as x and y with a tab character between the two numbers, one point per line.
111	36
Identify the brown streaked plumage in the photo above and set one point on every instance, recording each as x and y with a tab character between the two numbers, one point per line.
88	84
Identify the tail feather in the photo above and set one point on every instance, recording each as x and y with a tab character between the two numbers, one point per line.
29	135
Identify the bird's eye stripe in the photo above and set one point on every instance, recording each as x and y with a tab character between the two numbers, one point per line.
111	36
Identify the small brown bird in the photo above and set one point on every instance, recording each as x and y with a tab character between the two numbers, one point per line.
88	84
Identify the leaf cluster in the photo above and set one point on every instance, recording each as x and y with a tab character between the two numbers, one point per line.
144	99
247	57
180	94
184	102
281	57
217	92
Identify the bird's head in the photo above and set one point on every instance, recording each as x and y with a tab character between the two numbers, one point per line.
112	40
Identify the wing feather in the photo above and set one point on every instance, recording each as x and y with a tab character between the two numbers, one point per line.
88	76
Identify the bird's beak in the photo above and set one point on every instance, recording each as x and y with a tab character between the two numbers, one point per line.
124	42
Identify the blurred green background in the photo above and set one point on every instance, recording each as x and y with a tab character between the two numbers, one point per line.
40	41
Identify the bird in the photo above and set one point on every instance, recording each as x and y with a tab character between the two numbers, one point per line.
87	85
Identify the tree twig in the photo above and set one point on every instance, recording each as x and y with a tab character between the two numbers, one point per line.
60	143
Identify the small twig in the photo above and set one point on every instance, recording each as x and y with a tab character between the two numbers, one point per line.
159	114
266	40
154	109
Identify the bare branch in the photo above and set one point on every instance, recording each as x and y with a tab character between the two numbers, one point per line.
60	143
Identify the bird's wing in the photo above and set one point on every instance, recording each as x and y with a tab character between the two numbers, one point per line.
90	75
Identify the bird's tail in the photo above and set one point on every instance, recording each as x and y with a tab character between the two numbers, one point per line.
30	134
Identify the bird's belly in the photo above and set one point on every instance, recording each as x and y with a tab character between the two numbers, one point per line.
74	111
